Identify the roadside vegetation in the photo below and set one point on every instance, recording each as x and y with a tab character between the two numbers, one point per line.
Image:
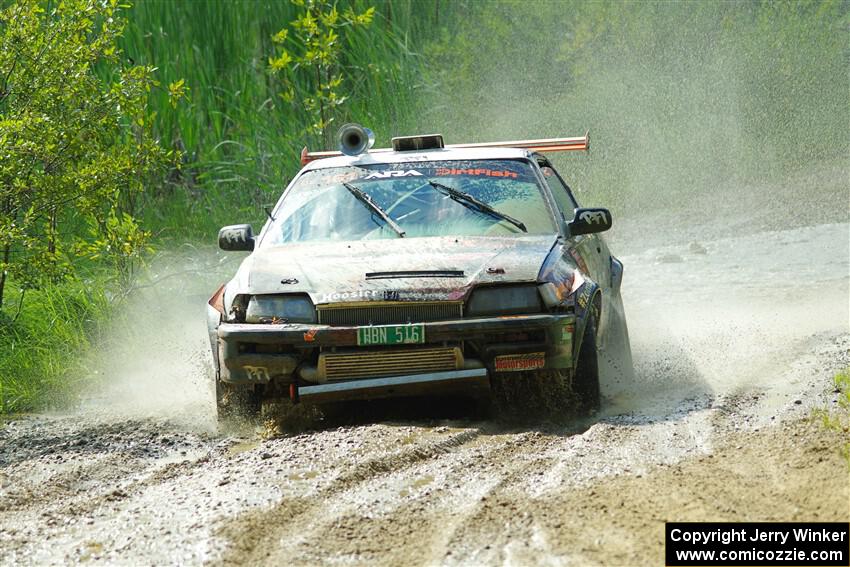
130	129
267	78
838	419
78	151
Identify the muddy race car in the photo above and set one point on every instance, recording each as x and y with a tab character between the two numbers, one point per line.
416	270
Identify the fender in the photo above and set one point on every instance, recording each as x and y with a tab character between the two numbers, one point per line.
588	296
215	315
616	274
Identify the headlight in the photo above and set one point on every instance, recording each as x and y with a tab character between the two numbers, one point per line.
555	294
504	300
280	308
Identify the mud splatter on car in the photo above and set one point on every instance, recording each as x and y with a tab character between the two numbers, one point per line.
421	269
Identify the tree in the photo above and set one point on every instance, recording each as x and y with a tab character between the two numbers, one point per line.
313	53
76	142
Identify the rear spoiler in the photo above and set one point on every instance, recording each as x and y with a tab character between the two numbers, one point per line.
543	145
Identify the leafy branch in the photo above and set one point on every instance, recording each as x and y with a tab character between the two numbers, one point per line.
309	62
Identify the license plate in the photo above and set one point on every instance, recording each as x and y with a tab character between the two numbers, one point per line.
520	362
391	335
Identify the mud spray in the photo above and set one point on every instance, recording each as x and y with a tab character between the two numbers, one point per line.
724	162
155	362
730	201
723	159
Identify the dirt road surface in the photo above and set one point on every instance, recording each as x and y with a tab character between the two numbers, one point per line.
736	337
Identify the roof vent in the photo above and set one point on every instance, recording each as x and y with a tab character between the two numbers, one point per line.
412	143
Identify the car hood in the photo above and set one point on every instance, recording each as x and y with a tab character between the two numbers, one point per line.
434	268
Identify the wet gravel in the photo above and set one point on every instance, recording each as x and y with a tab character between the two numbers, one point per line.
732	356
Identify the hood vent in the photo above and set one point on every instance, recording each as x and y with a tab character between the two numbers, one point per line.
414	274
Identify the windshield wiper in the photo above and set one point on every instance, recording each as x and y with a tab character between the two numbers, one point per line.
468	200
372	206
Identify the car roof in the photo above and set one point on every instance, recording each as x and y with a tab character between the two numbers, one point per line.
444	154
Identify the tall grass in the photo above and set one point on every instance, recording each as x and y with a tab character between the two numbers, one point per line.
240	144
42	349
678	96
837	418
241	140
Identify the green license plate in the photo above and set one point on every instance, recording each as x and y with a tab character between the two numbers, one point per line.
391	335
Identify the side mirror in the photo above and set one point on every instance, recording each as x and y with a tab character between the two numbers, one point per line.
588	221
236	237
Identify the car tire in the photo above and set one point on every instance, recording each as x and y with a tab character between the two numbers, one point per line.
237	401
586	377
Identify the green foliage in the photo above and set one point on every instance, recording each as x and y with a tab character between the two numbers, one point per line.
309	63
241	138
118	243
839	419
78	148
41	353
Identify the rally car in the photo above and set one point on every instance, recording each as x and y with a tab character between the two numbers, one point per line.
415	270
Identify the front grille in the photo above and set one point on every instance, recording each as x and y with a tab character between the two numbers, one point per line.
390	362
389	313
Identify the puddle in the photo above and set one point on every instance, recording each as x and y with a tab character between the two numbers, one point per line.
92	550
242	447
416	485
420	482
303	475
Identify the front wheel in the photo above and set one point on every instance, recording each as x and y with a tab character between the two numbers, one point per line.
586	379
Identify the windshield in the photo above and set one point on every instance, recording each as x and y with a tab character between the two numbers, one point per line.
328	204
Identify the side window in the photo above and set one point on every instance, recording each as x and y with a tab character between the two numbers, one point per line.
560	191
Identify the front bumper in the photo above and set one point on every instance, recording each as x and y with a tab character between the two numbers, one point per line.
467	382
492	335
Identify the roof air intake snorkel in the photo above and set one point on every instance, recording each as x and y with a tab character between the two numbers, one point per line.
355	139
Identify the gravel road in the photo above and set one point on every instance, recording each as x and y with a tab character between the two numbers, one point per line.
735	340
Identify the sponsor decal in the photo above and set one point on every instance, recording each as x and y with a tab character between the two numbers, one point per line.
340	177
232	235
391	295
584	297
388	174
520	362
456	294
352	295
594	217
475	171
567	334
257	373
